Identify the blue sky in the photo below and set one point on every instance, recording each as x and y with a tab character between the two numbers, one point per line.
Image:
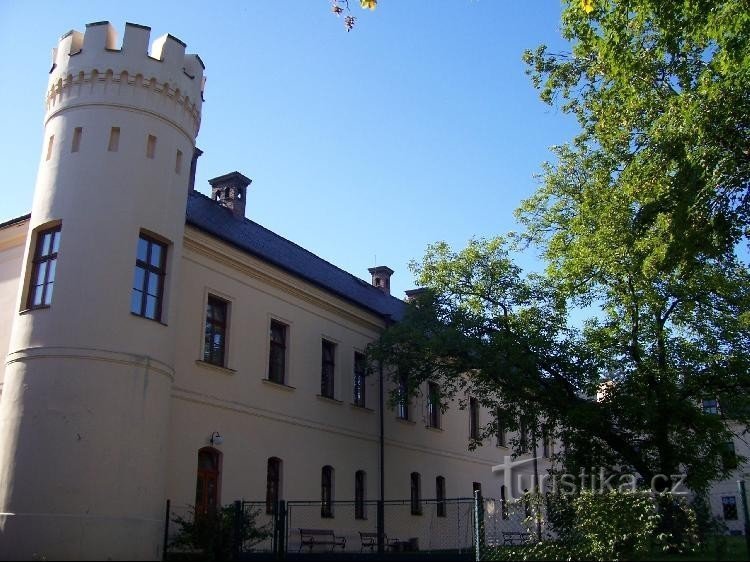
364	147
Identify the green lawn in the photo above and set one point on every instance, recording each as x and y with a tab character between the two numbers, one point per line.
725	548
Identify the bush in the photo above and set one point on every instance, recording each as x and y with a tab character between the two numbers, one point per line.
214	534
610	526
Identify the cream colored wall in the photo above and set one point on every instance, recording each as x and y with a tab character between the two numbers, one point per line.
259	419
12	242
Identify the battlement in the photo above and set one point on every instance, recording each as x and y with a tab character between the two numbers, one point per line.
95	56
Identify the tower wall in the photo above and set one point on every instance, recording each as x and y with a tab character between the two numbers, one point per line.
84	412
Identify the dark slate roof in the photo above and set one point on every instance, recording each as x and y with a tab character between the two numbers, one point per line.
16	220
210	217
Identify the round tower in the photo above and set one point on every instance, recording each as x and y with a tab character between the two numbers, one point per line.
84	413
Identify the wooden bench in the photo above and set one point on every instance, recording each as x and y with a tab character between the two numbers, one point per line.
515	538
370	540
320	537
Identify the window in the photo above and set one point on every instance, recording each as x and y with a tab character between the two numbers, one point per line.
148	283
360	374
277	353
114	139
416	494
402	410
360	480
273	484
711	406
728	456
44	266
523	435
151	147
50	144
178	162
326	492
433	404
207	485
214	350
503	503
76	144
729	507
500	429
440	496
473	418
328	368
547	449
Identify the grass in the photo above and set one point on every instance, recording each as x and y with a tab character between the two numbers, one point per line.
721	548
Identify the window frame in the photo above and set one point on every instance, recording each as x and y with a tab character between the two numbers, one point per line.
501	435
328	369
273	484
326	492
710	406
473	418
441	505
415	496
359	392
207	356
403	405
729	508
360	495
280	348
49	260
433	405
149	269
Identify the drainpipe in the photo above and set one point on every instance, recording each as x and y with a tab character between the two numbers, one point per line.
381	502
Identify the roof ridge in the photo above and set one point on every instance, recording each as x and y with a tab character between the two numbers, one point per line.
316	256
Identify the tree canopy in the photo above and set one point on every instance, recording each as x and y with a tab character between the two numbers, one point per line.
639	218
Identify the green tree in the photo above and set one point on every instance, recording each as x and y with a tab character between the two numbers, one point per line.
639	217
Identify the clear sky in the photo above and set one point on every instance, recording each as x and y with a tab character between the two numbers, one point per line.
364	147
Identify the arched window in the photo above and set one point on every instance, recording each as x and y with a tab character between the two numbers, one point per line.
416	494
208	482
360	485
273	484
440	496
326	492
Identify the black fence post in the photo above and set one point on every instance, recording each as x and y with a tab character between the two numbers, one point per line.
279	525
381	527
237	530
166	533
478	525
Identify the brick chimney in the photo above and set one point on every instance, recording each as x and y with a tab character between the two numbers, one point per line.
414	294
230	190
381	278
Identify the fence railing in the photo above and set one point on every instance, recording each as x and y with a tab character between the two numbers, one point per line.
467	527
432	525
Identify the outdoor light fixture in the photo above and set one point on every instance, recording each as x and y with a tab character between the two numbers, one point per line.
216	439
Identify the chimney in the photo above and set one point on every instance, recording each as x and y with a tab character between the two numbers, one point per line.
197	152
381	278
230	191
414	294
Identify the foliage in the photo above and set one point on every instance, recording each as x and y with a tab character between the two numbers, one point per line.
339	7
215	534
660	92
638	220
610	526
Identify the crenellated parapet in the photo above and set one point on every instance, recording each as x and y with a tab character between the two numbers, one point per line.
159	78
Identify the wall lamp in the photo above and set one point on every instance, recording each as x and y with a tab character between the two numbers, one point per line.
216	439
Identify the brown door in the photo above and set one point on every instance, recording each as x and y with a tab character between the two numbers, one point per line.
207	484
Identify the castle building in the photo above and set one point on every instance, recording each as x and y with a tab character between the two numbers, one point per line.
162	346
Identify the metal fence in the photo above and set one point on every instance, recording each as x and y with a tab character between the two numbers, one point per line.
466	528
432	526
